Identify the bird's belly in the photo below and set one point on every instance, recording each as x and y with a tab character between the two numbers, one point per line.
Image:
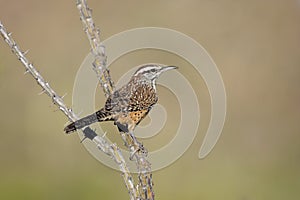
131	119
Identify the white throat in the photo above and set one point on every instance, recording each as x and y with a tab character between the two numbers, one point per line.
153	82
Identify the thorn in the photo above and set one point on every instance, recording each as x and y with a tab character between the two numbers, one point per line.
9	34
42	92
26	52
63	96
90	10
67	123
83	139
52	106
26	71
103	136
79	114
98	31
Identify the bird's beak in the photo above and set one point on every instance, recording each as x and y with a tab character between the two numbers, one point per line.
166	68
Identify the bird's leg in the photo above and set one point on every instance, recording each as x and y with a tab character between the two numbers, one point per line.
136	146
131	141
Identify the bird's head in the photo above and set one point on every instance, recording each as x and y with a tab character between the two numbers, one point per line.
152	71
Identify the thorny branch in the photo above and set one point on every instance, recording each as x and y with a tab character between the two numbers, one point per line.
98	50
145	186
110	149
144	190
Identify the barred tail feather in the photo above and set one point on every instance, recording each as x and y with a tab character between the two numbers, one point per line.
98	116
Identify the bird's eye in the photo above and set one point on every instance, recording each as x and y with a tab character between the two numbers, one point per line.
152	70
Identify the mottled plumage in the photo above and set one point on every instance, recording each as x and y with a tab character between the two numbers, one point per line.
128	105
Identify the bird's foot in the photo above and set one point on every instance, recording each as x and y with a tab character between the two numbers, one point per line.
136	147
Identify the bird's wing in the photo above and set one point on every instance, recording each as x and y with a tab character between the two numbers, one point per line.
117	101
131	99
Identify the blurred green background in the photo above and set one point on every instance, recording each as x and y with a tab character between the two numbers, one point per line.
256	45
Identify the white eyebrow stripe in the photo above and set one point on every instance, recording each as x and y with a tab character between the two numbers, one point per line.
148	68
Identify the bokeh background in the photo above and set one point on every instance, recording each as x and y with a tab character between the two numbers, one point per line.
256	45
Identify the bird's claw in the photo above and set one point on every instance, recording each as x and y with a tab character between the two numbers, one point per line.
138	147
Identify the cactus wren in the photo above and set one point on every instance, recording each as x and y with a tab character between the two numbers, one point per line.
128	105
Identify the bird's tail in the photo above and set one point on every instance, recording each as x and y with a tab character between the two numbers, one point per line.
99	116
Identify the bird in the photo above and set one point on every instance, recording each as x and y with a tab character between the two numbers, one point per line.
130	104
